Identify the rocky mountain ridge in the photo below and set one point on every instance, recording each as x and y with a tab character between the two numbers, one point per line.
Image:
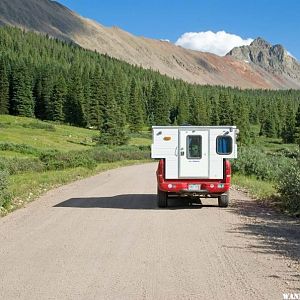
235	69
272	58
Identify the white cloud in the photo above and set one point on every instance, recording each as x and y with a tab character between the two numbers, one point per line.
165	40
218	43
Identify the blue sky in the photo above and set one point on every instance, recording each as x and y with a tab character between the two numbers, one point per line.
277	21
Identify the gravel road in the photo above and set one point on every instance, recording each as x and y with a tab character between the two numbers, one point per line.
104	238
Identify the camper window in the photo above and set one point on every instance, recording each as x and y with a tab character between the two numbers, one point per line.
194	146
224	145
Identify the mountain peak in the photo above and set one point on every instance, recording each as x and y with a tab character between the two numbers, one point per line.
272	58
260	42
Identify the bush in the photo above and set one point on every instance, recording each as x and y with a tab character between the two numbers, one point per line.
20	165
3	181
20	148
64	160
4	196
111	154
90	158
289	187
253	161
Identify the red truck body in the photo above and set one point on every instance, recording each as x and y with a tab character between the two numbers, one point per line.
209	187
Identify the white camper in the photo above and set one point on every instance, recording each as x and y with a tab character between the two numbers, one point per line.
194	160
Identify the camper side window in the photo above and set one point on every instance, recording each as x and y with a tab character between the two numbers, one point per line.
224	145
194	146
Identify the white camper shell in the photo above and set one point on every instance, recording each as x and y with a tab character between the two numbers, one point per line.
194	152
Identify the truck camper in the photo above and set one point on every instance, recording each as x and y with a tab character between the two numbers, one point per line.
194	161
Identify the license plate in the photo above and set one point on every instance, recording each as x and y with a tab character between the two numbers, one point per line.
194	187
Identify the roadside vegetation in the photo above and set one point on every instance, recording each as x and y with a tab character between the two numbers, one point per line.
270	170
36	156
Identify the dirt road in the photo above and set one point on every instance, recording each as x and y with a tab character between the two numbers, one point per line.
104	238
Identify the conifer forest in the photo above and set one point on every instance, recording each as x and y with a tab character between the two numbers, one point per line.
52	80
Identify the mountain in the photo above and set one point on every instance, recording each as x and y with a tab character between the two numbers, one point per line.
271	58
54	19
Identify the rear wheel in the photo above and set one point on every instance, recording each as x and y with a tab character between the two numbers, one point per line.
162	198
223	200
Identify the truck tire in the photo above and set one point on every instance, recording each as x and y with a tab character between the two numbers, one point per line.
223	200
162	198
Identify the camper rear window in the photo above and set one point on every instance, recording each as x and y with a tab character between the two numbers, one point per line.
224	145
194	146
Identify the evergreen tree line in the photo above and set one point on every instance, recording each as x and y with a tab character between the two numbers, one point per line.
53	80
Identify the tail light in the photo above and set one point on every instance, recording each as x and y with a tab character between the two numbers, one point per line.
227	167
227	171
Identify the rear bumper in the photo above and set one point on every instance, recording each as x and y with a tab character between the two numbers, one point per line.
207	187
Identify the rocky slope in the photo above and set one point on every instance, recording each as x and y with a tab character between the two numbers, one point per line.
272	58
49	17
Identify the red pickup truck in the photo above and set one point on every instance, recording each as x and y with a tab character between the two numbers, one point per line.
194	161
196	188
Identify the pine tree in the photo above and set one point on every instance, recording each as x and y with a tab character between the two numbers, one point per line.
112	131
73	108
42	94
4	89
135	111
268	128
58	99
242	122
22	103
289	129
161	112
86	85
215	111
225	109
37	95
297	123
95	118
183	108
198	112
121	90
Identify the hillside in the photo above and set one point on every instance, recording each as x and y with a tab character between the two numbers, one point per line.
271	58
193	66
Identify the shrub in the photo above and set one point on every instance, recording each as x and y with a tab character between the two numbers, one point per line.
253	161
4	196
20	165
289	187
110	154
64	160
20	148
3	181
90	158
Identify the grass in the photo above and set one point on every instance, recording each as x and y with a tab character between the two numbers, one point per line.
43	155
13	154
271	145
257	188
20	130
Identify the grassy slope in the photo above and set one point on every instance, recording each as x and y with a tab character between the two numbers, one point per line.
64	138
27	186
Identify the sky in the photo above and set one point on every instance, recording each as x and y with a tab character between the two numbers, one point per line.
205	25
